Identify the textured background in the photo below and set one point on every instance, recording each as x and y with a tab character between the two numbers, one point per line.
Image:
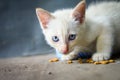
20	33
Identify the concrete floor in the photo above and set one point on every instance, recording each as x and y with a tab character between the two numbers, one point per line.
38	68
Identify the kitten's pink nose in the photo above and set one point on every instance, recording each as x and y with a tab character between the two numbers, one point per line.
64	49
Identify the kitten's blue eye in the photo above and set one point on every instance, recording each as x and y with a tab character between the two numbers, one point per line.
55	38
72	36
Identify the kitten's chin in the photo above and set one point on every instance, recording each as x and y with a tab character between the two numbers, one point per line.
65	53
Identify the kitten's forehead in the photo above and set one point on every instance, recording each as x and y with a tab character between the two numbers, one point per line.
63	24
59	27
63	16
63	20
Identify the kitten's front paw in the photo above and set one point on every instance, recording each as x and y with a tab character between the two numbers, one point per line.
100	56
66	57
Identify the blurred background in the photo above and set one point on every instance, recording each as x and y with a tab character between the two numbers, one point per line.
20	32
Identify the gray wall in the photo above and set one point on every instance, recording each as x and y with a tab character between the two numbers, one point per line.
20	33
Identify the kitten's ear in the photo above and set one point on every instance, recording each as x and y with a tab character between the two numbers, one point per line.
44	17
79	12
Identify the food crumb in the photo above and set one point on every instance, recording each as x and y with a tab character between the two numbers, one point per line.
26	66
9	70
86	61
96	63
49	73
111	61
89	61
104	62
54	60
69	61
80	61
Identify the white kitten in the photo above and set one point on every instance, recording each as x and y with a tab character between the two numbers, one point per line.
71	31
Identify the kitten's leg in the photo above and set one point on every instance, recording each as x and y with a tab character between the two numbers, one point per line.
104	46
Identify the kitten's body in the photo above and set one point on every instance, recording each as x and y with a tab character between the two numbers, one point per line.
97	33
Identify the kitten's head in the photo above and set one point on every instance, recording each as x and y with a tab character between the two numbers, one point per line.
62	28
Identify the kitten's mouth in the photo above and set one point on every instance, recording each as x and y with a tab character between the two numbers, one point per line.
65	53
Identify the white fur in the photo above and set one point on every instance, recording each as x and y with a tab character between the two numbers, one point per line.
96	34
